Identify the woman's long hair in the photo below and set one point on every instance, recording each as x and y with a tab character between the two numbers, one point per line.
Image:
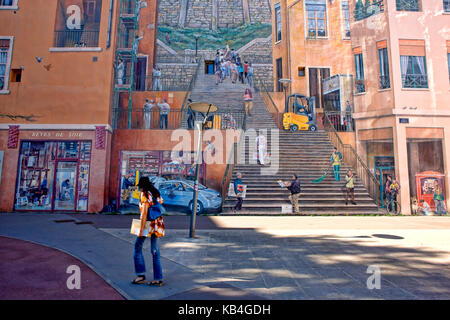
248	91
148	188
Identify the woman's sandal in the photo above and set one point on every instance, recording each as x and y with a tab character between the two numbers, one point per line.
139	280
157	283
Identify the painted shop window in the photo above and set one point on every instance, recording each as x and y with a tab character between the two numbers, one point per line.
383	58
77	23
316	14
414	72
359	69
446	5
53	176
346	19
408	5
5	61
277	22
4	4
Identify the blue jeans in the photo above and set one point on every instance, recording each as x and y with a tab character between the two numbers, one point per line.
139	262
440	207
163	121
250	80
337	172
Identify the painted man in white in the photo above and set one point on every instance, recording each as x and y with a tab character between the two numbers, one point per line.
136	41
148	107
261	146
120	72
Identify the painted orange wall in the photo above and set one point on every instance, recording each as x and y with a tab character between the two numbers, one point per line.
147	46
75	90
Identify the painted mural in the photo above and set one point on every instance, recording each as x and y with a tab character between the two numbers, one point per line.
212	24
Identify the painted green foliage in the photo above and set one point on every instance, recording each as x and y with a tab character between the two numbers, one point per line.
237	37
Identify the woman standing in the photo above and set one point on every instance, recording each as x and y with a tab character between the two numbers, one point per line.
149	197
248	101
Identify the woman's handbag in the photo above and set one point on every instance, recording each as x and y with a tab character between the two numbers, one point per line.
157	228
155	211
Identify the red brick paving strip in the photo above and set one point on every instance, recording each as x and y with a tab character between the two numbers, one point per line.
33	272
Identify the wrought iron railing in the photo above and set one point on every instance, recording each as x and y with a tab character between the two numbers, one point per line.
76	38
127	7
414	81
351	158
140	119
277	116
187	96
341	121
231	162
408	5
446	5
180	83
253	59
385	82
363	12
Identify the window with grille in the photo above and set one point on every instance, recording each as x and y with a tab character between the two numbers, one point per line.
77	23
8	3
447	5
385	82
448	64
346	18
414	72
277	22
316	14
5	54
359	70
408	5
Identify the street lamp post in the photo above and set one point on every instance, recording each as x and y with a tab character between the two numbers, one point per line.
196	45
285	82
202	108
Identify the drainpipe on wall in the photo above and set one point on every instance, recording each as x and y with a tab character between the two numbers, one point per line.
111	9
288	39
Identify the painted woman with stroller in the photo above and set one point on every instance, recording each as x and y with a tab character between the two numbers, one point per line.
350	186
438	197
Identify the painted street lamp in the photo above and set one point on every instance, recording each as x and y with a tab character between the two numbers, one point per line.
285	83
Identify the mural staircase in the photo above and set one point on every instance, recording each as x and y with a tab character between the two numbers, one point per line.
227	96
305	153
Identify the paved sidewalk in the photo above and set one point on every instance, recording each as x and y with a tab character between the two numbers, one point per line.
33	272
265	257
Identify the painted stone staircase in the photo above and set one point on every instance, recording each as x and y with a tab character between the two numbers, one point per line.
228	96
308	155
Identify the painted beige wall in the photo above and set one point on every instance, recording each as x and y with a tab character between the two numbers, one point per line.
333	52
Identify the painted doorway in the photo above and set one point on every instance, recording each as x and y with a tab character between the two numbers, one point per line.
316	75
141	73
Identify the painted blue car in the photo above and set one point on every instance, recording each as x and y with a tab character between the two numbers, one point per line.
179	193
